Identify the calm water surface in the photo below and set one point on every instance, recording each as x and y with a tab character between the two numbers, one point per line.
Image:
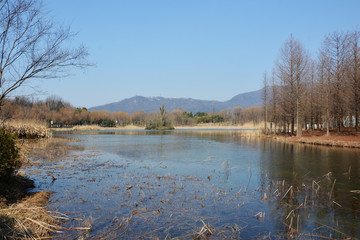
130	184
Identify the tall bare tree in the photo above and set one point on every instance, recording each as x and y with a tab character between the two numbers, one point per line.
312	99
291	70
237	114
324	79
274	101
301	76
32	46
335	51
265	102
353	73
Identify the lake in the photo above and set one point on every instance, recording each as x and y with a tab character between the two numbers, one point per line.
198	184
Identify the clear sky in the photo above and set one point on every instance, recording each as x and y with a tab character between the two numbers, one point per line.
203	49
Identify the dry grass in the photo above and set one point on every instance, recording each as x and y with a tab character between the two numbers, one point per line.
96	127
24	215
27	129
225	126
205	232
347	139
32	152
245	126
29	219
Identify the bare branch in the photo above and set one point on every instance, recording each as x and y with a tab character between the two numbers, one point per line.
31	47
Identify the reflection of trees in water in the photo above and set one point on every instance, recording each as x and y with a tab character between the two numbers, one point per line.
308	189
286	174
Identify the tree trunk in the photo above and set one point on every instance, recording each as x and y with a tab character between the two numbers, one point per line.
298	128
327	122
356	120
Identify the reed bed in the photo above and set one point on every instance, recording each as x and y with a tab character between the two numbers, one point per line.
27	129
299	203
97	127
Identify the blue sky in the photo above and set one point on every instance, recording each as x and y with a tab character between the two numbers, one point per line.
203	49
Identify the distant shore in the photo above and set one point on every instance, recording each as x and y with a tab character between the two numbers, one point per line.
216	126
210	126
96	127
345	139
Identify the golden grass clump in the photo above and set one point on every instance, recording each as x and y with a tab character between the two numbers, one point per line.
29	218
205	232
28	129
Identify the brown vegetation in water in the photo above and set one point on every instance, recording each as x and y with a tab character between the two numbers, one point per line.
24	215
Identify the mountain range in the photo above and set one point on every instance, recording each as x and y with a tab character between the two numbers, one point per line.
147	104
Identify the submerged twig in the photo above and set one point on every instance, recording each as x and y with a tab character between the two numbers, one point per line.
332	189
155	230
286	193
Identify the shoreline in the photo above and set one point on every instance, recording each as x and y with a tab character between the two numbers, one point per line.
207	126
340	140
346	139
343	140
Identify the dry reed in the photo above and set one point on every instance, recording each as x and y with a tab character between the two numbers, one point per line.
27	129
29	219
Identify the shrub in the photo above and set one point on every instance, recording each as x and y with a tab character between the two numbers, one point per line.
158	125
9	154
107	123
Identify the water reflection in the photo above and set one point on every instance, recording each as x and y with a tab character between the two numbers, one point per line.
184	176
321	180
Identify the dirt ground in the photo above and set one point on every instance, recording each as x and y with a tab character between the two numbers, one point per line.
348	137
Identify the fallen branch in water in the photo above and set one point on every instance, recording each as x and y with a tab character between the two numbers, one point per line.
286	193
155	230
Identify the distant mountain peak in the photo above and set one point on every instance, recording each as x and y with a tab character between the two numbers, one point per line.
147	104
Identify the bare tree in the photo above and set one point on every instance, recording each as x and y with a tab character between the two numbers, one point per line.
353	73
274	101
312	97
265	102
325	86
335	51
237	114
301	72
32	46
291	70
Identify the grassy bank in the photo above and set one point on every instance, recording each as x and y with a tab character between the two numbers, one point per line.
216	126
200	126
346	139
24	215
97	127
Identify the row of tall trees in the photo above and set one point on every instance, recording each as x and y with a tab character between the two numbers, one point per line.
56	112
321	91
